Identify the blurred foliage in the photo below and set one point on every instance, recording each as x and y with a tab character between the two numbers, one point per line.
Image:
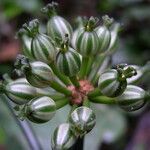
14	8
134	16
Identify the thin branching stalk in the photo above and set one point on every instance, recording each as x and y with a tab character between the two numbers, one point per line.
26	129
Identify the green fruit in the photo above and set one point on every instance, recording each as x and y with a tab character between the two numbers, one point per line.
110	85
86	39
113	82
82	120
40	110
104	38
114	38
80	24
26	43
63	138
39	74
74	37
20	92
42	48
68	62
104	34
87	42
133	98
57	27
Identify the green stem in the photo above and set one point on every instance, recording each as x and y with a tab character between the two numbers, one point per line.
95	80
96	92
99	60
75	81
84	67
62	103
56	97
60	88
62	77
86	102
103	100
89	65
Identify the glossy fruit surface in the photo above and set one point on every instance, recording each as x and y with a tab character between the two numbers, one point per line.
40	110
63	138
69	62
87	42
82	120
20	92
110	85
132	98
39	74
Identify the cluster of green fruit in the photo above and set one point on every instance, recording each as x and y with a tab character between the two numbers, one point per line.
62	67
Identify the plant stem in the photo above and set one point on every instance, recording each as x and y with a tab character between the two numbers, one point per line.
61	103
86	102
79	145
96	92
62	77
60	88
84	67
99	60
75	81
103	100
89	65
26	129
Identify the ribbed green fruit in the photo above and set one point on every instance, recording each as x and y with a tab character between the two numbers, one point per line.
82	120
68	62
26	47
39	74
110	85
42	48
26	42
74	37
80	24
63	138
104	36
48	91
132	98
20	92
87	42
40	110
104	33
114	38
58	27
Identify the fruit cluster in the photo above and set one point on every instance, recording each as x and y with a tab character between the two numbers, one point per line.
61	67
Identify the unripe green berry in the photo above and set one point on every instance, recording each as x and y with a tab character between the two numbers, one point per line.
63	137
82	120
133	98
40	110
